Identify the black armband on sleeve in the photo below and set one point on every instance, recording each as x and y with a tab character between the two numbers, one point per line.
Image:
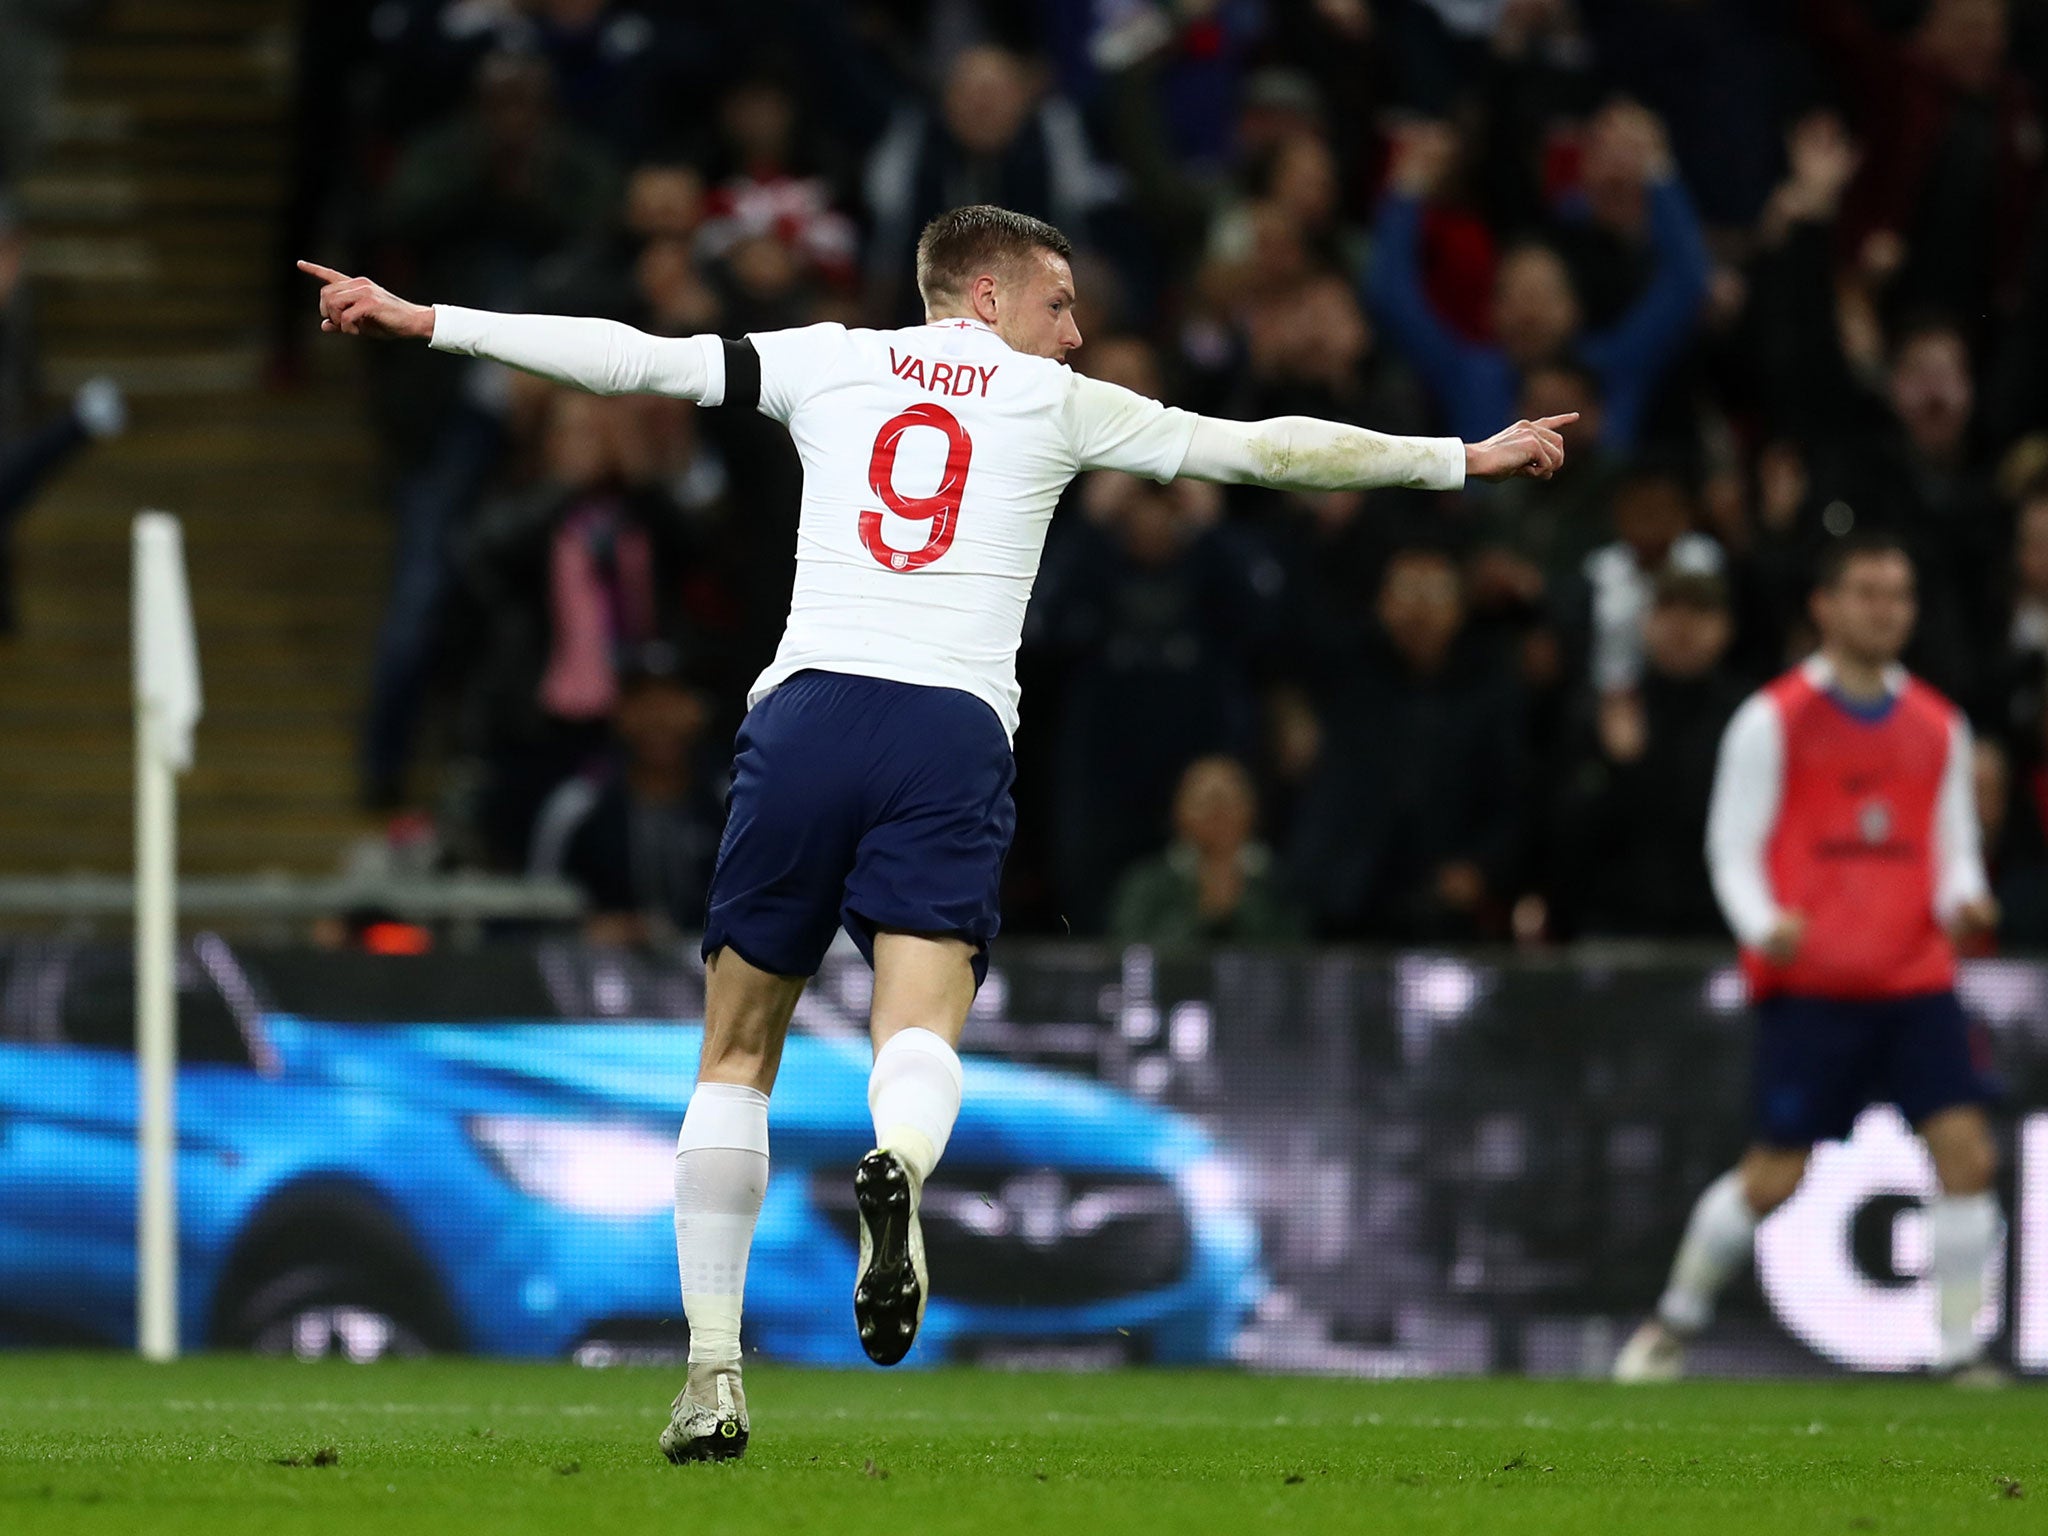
742	374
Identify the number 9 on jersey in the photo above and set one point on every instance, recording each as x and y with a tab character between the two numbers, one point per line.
941	508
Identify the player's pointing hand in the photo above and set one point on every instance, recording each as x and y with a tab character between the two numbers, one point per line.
1531	448
356	306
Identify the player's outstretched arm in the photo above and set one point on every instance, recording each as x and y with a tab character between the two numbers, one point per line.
601	356
1301	453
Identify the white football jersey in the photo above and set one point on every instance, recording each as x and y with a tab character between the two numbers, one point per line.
933	457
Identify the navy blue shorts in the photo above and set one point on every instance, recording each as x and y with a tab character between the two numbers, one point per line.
864	804
1820	1061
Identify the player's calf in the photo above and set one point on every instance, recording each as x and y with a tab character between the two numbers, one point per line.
1964	1224
1964	1152
1719	1237
1770	1176
721	1174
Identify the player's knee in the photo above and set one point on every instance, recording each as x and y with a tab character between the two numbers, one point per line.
1766	1194
746	1017
1965	1156
1769	1179
1973	1175
744	1049
921	982
750	1065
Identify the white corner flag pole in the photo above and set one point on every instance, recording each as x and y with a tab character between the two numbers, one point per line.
166	709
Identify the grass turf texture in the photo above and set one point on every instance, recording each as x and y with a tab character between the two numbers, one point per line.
104	1443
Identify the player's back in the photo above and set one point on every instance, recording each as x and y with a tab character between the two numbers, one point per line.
933	459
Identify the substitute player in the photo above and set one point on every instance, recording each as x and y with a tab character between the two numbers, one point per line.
871	777
1843	845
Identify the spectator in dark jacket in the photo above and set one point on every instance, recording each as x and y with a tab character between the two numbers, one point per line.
1537	316
2023	667
638	833
1654	517
98	410
1409	827
1715	70
476	208
1953	134
1309	351
1908	468
572	575
1535	535
1154	610
1633	814
480	200
2019	859
993	139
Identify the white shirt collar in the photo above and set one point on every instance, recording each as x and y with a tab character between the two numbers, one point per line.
962	323
1821	673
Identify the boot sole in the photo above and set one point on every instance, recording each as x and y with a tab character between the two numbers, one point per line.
718	1447
888	1297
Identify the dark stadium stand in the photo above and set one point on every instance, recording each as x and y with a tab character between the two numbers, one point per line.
150	227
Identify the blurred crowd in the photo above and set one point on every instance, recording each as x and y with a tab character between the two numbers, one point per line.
1787	258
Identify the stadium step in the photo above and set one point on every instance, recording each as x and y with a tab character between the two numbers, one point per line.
89	197
152	227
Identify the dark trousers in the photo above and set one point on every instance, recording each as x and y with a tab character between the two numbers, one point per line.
431	505
24	466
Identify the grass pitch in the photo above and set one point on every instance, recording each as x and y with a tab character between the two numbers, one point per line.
102	1443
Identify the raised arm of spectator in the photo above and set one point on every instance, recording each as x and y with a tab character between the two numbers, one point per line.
1802	377
839	58
1164	192
2016	395
1393	278
1538	72
1635	351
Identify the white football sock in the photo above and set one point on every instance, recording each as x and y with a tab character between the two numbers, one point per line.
1718	1238
914	1095
721	1174
1962	1229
